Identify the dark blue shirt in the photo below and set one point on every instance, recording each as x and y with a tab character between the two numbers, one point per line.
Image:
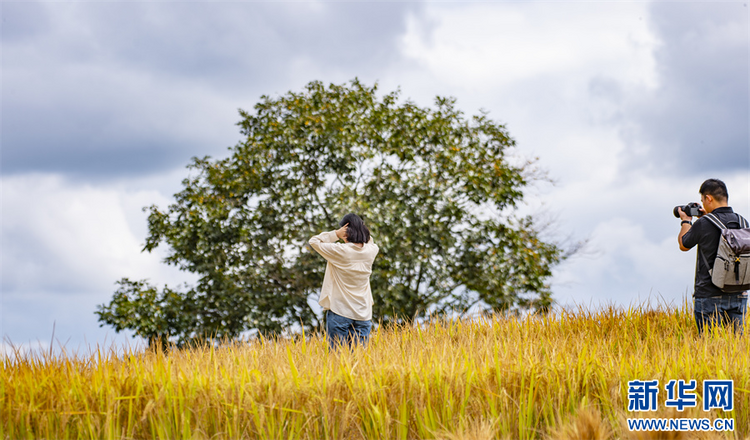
707	235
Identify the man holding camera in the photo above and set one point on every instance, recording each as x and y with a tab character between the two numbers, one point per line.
712	305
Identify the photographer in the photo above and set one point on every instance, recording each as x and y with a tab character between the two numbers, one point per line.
346	296
712	305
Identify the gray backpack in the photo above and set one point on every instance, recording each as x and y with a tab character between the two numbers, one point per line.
731	271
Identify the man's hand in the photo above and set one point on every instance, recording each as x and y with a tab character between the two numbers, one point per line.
341	232
684	216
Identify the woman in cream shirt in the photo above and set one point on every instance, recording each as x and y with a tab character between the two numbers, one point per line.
346	296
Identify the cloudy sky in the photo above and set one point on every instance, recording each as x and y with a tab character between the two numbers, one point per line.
629	106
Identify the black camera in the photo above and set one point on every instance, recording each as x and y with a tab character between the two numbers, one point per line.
691	209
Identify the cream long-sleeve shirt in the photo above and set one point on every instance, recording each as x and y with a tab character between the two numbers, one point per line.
346	285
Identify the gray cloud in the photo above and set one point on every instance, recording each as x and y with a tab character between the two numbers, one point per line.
696	121
105	89
28	322
21	22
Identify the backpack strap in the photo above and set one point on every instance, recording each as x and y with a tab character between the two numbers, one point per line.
705	261
713	219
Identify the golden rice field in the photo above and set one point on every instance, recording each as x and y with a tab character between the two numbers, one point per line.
564	376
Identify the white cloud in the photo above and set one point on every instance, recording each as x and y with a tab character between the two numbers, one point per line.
538	68
64	246
625	266
632	253
494	46
73	237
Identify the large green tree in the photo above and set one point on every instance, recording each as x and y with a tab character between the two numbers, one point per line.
437	189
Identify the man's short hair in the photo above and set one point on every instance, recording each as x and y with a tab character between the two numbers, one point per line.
357	231
716	188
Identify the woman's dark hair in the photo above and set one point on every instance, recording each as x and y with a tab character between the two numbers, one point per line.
715	188
356	232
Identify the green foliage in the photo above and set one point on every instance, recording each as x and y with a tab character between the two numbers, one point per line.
435	188
153	315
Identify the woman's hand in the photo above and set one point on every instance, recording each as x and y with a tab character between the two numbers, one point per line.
341	232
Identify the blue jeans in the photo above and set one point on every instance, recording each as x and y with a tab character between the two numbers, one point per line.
344	330
721	310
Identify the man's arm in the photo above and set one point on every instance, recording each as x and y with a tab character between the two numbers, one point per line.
685	231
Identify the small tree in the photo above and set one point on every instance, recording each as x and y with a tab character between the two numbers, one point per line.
435	188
